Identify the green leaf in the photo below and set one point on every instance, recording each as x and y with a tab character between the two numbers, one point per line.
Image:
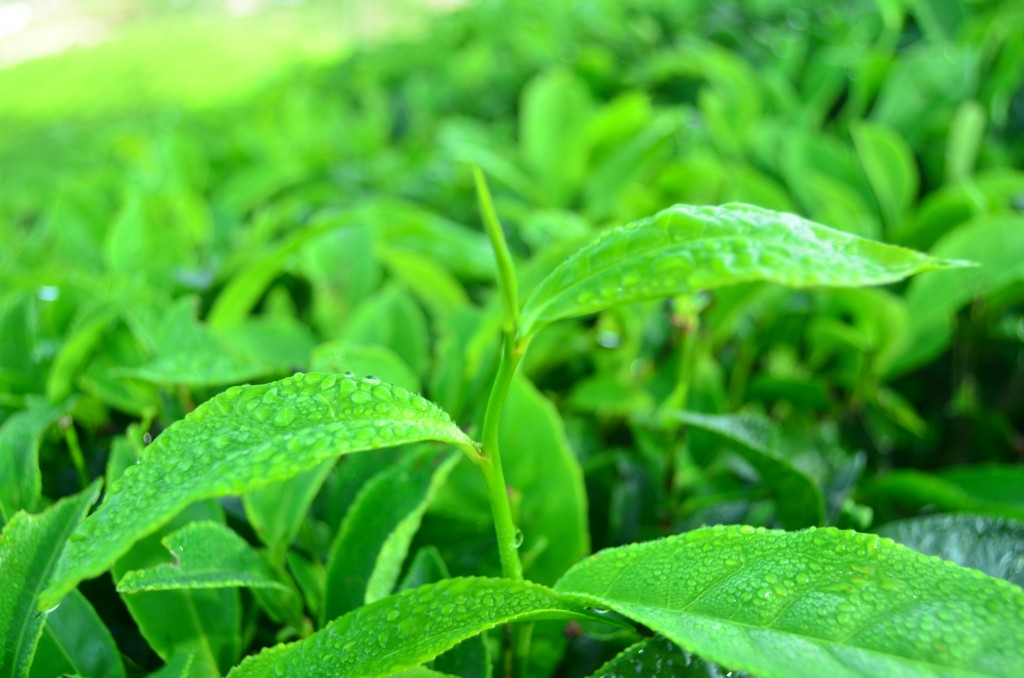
890	168
660	657
29	548
380	361
995	495
241	294
407	629
191	353
993	545
207	555
374	537
798	499
21	483
392	319
556	111
547	481
75	641
997	244
811	603
965	136
685	249
180	666
208	627
276	512
243	439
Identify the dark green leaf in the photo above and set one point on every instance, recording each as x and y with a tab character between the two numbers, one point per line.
21	483
798	499
29	548
661	657
75	641
366	558
993	545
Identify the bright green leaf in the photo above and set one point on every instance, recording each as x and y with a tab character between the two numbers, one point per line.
890	168
684	249
405	630
243	439
29	548
811	603
366	558
207	555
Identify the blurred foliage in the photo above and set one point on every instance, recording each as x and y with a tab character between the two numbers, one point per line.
164	240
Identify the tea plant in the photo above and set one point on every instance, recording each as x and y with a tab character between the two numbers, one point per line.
685	436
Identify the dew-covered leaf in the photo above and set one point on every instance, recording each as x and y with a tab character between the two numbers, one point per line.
380	361
407	629
207	555
659	656
990	544
684	249
798	499
29	547
367	555
811	603
243	439
76	642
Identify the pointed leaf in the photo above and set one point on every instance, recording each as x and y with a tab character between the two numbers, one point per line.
684	249
29	547
76	642
209	627
243	439
814	603
374	538
405	630
207	555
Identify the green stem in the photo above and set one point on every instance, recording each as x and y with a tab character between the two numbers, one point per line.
687	364
507	283
490	462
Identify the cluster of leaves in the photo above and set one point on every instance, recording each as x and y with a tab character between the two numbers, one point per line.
701	366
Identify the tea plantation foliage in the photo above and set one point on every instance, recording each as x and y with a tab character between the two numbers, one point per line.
257	360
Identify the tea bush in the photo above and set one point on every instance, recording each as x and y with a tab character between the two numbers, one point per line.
500	348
